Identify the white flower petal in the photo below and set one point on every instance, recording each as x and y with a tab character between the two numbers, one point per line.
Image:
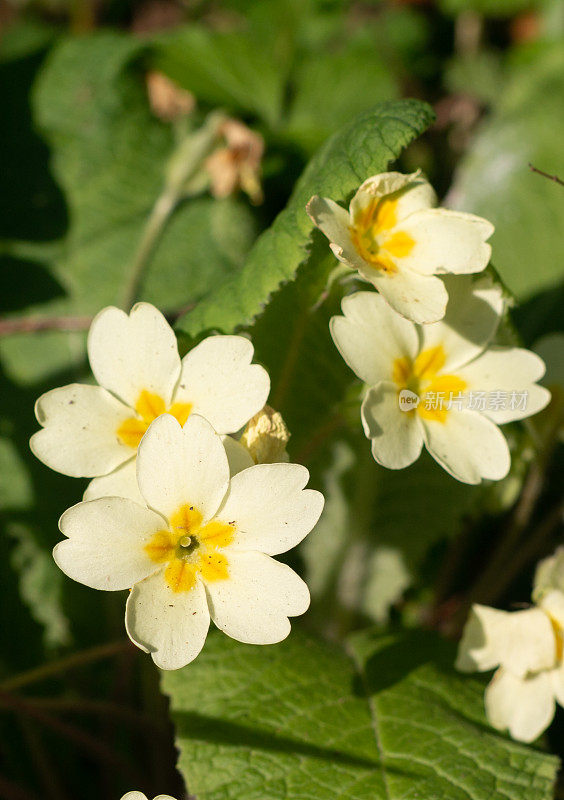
446	241
129	354
220	382
524	706
79	434
172	626
271	509
557	681
178	466
105	544
412	193
468	446
254	603
396	435
472	316
519	641
122	482
420	298
549	574
335	222
134	796
508	369
552	603
370	336
238	456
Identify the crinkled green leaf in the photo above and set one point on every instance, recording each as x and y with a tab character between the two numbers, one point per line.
495	181
303	720
362	148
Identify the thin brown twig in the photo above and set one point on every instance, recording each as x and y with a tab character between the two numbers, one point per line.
554	178
86	706
70	324
44	767
8	327
63	664
78	737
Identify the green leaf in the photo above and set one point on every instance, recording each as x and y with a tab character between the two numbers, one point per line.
109	156
40	584
362	148
495	181
303	720
15	483
333	87
240	70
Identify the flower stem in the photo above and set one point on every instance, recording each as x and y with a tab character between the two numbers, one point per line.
158	218
187	159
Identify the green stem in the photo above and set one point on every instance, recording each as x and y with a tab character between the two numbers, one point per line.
186	160
158	218
63	664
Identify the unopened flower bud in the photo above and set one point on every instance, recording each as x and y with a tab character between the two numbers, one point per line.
266	437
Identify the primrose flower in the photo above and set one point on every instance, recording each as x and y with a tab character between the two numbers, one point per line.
90	431
440	385
201	547
527	648
398	242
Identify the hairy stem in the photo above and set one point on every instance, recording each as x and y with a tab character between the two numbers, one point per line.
158	218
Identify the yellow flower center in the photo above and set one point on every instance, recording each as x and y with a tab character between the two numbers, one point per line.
149	406
372	237
189	548
422	378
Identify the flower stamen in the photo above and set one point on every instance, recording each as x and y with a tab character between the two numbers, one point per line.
149	406
190	549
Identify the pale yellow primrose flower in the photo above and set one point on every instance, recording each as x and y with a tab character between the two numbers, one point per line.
201	547
444	369
398	242
141	796
91	431
526	646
